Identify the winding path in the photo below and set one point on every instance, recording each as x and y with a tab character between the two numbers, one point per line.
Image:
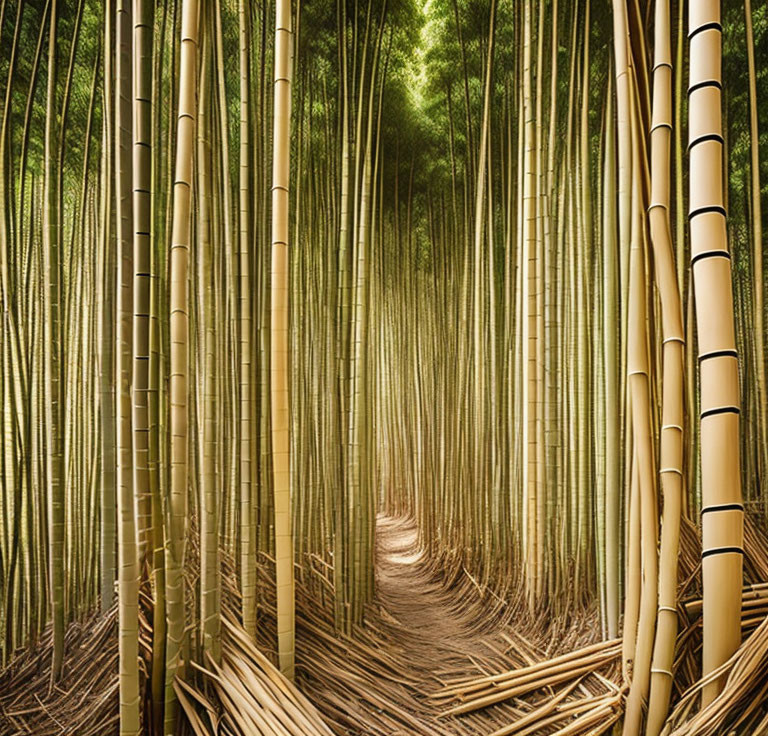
429	626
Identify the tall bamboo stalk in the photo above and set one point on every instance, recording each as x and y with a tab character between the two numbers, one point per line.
722	509
247	493
210	562
105	300
279	339
143	22
757	252
54	404
179	356
673	345
127	543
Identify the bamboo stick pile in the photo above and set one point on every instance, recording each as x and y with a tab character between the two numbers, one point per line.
382	679
480	692
86	702
389	675
256	697
740	706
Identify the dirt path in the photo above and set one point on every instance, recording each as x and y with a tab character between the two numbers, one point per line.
425	631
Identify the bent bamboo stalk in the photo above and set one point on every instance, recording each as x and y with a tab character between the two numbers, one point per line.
638	380
519	689
535	715
594	660
672	415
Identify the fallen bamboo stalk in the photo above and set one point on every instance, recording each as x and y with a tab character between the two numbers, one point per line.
521	689
535	715
602	650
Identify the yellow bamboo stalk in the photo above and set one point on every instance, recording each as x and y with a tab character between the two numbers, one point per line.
244	295
54	389
179	327
638	380
529	321
210	563
722	509
128	570
672	416
758	331
280	340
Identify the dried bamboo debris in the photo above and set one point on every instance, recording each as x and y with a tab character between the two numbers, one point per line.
574	669
85	699
253	691
740	707
431	627
436	657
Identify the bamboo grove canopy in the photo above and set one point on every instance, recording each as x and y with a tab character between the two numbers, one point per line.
286	282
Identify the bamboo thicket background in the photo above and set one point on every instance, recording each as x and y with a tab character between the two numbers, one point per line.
459	293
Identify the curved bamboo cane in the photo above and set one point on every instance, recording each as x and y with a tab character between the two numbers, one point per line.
671	460
624	149
638	371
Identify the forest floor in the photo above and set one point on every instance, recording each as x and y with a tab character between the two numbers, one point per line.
436	635
431	625
431	628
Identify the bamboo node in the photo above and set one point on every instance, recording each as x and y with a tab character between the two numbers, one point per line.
706	83
671	470
720	410
723	507
729	353
712	26
721	551
716	137
709	253
660	671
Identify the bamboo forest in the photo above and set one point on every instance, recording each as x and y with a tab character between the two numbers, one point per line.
383	368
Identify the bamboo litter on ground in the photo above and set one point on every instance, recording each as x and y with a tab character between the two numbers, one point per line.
433	624
84	702
434	646
252	693
740	709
